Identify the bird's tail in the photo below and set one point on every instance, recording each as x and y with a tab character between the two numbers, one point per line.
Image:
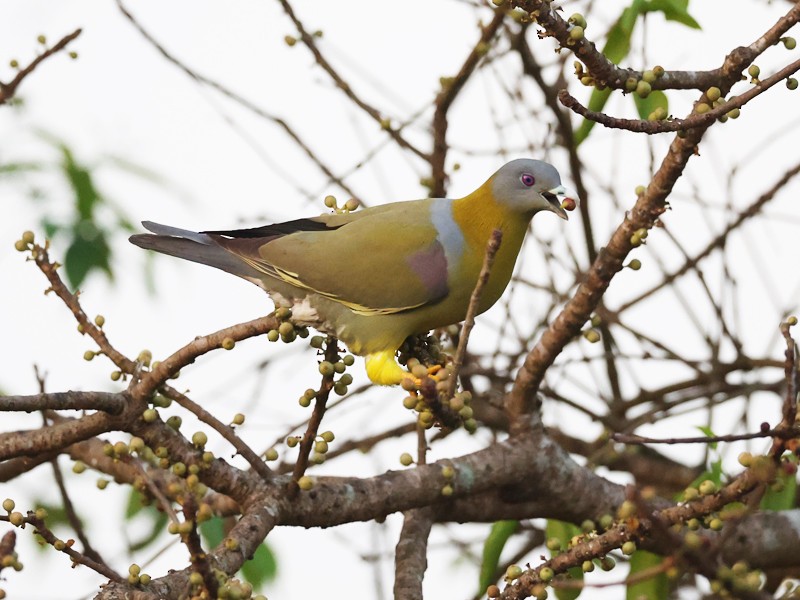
193	246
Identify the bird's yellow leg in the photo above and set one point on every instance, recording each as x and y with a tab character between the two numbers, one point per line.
382	368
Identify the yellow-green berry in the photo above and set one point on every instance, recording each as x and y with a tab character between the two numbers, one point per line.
791	83
707	487
199	439
713	94
305	483
754	71
658	71
149	415
701	108
8	505
649	76
626	510
576	33
238	419
513	572
326	368
228	343
577	19
592	336
789	43
635	264
290	40
643	89
546	574
629	547
271	454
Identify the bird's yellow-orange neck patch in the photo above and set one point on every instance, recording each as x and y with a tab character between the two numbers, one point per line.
479	213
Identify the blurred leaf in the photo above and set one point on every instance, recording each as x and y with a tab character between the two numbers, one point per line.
492	549
645	106
597	101
652	588
618	42
784	497
564	532
213	531
158	520
80	179
674	10
618	45
19	168
262	567
708	432
88	251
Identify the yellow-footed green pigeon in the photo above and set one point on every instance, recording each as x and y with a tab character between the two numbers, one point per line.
376	276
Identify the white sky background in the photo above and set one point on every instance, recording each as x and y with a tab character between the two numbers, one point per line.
225	167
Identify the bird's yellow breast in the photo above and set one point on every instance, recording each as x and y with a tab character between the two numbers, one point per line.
478	215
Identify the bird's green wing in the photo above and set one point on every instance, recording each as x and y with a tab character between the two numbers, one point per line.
382	260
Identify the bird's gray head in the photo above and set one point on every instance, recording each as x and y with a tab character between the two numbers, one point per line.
529	185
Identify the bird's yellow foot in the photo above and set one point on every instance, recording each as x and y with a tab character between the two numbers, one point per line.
382	368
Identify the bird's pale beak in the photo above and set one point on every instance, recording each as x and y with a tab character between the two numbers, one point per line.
558	198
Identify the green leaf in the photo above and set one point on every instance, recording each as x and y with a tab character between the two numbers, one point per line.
259	569
674	10
652	588
86	196
157	521
213	531
19	168
564	532
645	106
708	432
87	252
618	44
597	101
784	497
492	549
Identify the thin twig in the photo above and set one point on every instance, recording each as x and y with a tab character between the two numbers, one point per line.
72	515
707	439
7	90
241	100
321	399
673	125
224	430
469	321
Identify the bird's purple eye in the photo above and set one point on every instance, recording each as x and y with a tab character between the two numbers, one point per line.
527	179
